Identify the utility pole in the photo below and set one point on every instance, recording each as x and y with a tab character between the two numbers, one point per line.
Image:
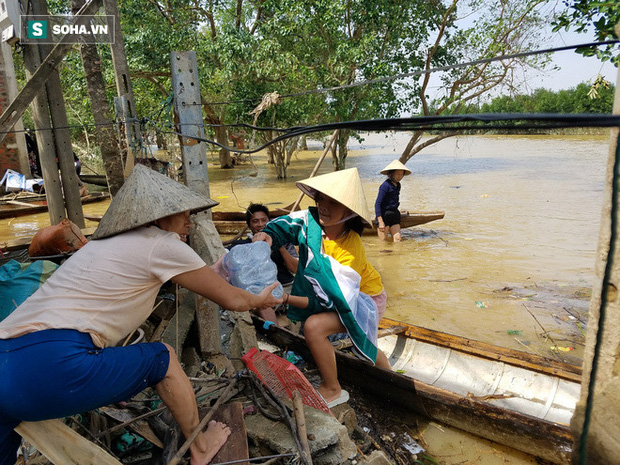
62	136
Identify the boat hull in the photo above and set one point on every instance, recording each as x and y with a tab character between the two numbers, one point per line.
477	414
12	210
230	223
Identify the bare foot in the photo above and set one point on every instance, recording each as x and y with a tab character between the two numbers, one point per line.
329	394
215	437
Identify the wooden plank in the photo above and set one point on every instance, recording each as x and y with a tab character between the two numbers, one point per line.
60	444
139	426
17	202
481	349
15	110
236	447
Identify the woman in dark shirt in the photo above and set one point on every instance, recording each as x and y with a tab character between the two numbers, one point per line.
388	200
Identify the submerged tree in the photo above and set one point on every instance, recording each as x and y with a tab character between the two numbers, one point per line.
505	28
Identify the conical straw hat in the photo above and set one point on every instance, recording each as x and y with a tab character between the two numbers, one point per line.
147	196
395	165
344	186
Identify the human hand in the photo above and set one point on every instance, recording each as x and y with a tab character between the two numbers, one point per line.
381	226
267	299
261	236
218	267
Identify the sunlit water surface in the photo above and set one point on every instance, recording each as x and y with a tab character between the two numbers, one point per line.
516	247
520	212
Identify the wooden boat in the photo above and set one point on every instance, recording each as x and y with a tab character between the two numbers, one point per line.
96	179
234	222
14	208
231	223
514	398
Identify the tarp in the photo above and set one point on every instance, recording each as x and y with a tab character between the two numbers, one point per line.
18	281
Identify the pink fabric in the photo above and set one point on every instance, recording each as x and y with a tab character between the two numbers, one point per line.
381	301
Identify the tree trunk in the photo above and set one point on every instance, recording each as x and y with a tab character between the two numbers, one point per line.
102	112
221	136
414	146
279	152
340	151
290	150
406	155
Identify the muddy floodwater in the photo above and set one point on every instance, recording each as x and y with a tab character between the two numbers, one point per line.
512	262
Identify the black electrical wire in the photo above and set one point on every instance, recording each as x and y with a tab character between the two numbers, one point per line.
438	123
426	71
583	439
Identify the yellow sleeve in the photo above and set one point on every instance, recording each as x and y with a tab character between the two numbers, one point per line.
349	251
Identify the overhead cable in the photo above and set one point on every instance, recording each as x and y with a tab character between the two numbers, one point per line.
426	71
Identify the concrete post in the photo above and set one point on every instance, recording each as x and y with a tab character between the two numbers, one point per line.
597	417
204	238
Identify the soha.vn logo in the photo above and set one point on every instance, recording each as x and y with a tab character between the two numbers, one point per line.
37	29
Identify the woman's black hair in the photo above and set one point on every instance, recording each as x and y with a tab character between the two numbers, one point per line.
253	208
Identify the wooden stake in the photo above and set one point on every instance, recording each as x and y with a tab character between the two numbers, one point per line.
300	420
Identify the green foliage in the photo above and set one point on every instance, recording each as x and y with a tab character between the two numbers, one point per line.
247	49
574	100
597	16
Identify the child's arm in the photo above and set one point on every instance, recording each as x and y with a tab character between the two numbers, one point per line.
295	300
290	261
280	231
378	206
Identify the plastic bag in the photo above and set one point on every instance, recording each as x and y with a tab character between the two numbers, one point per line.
249	266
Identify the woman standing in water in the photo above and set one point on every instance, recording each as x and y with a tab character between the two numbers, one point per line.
388	200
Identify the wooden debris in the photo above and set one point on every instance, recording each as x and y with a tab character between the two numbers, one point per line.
300	421
236	447
61	444
225	396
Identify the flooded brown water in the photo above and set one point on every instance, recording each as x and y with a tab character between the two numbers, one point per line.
512	262
513	255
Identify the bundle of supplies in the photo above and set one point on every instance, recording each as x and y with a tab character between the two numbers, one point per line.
249	266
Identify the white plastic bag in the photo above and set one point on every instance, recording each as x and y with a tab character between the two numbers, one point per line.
249	266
